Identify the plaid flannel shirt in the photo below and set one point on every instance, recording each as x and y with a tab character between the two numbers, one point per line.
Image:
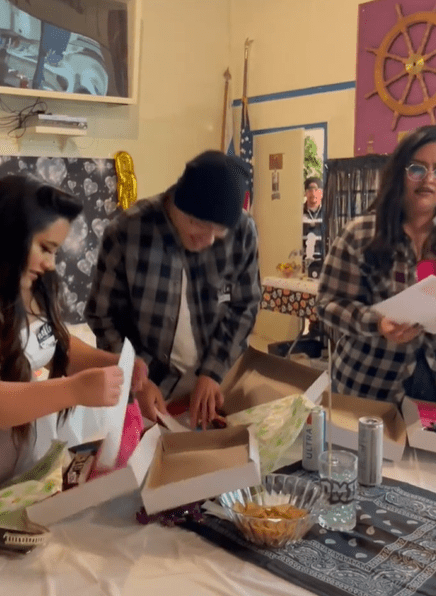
364	362
136	291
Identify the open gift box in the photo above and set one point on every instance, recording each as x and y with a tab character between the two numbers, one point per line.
346	411
419	415
169	469
258	378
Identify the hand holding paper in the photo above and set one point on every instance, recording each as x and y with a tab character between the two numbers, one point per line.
110	447
415	305
400	333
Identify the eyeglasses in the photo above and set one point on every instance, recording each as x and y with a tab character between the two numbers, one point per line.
417	172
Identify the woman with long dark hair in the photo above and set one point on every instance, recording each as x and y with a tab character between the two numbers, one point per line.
35	219
375	257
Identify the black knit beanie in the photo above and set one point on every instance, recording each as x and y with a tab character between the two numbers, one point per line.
212	188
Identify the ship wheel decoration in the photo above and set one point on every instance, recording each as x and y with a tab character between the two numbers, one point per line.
412	67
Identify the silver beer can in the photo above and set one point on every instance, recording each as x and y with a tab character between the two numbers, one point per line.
313	438
370	451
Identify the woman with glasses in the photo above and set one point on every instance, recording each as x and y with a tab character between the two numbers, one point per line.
377	256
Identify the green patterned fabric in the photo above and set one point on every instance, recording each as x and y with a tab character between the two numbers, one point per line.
40	482
277	424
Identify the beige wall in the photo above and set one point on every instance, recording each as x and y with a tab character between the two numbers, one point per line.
298	44
184	52
185	49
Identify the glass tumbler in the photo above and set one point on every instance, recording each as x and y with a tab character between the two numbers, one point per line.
338	476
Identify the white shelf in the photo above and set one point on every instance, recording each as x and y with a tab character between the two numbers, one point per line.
57	130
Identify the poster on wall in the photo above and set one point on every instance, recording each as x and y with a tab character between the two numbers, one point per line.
396	72
94	181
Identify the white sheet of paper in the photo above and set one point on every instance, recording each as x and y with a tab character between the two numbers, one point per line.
314	393
171	423
416	304
111	444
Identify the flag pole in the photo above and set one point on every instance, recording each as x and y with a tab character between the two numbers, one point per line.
246	136
227	77
247	45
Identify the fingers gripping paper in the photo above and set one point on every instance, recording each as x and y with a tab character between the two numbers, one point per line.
416	304
111	444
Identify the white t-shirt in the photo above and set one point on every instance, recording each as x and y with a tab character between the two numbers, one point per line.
40	345
184	355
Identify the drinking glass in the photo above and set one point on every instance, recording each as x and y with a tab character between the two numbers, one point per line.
338	476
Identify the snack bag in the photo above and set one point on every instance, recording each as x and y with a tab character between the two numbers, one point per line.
277	424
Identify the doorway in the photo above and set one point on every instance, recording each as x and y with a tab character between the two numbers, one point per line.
277	211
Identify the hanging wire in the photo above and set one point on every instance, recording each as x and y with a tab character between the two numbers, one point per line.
16	121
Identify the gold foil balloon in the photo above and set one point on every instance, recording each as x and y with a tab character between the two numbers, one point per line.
126	184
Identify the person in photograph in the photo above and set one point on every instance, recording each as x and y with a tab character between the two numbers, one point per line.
312	223
375	257
178	275
35	219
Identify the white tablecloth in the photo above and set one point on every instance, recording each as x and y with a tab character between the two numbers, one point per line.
105	552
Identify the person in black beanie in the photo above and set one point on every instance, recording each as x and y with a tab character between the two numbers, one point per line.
178	275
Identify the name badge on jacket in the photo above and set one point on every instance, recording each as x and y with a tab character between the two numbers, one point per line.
225	294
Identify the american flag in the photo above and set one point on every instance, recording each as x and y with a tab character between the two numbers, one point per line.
246	152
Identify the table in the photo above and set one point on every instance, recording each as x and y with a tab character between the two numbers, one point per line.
291	295
104	552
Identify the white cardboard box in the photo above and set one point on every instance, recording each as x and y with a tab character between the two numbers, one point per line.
258	377
346	411
416	435
204	464
98	490
189	466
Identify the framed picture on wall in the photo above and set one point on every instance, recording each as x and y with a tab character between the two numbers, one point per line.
70	49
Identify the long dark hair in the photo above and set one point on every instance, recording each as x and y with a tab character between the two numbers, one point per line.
27	207
389	203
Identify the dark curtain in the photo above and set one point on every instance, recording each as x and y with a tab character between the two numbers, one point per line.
351	186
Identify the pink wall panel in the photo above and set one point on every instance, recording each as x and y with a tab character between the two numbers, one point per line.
379	20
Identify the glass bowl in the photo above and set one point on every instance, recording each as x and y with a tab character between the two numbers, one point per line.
274	494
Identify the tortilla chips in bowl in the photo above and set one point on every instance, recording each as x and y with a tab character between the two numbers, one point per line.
276	513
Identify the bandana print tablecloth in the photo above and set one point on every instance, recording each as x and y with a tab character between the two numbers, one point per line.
391	552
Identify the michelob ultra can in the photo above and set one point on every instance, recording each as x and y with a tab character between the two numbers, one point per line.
313	438
370	451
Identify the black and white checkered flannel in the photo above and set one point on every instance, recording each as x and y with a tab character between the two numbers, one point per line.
136	291
364	362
